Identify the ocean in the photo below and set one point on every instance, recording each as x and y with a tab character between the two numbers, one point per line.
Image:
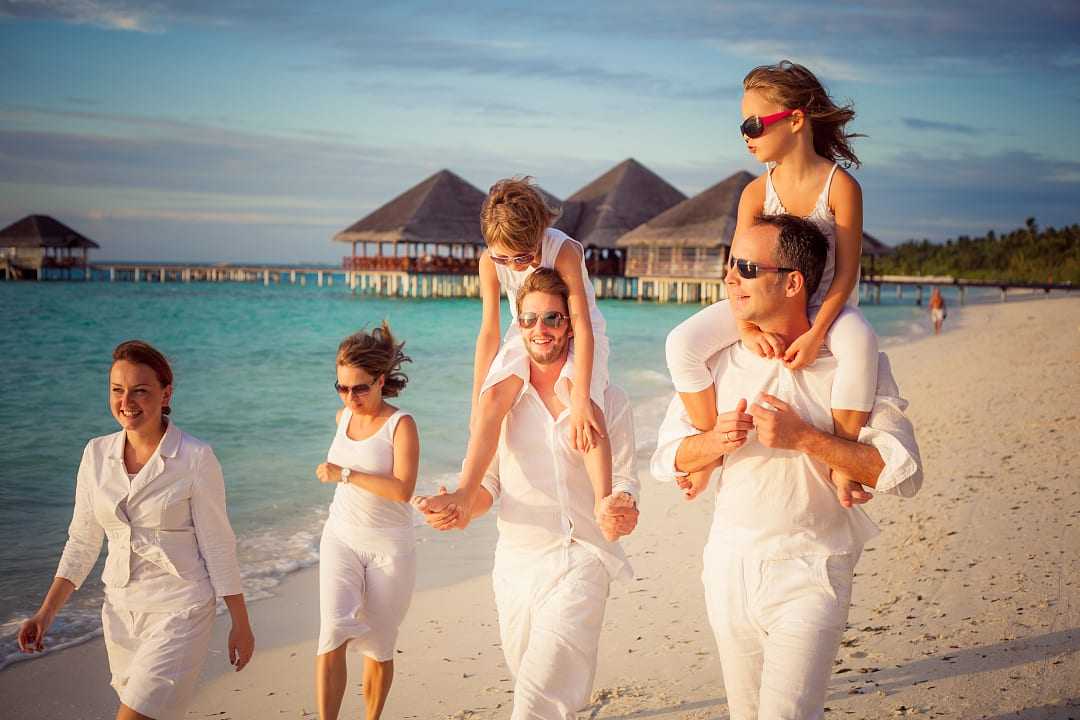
254	370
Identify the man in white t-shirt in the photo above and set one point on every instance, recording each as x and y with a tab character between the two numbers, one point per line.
779	561
553	564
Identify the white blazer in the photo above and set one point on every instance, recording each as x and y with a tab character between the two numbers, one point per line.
172	514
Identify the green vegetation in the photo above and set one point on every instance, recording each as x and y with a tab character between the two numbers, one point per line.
1027	255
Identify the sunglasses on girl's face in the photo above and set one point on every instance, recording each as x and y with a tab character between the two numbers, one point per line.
754	126
511	259
550	319
749	269
359	390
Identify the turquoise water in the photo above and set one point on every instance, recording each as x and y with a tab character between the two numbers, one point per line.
254	373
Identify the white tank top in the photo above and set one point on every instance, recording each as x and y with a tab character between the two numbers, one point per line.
825	221
512	280
355	509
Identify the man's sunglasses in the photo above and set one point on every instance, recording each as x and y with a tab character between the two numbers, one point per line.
550	319
754	126
511	259
359	390
749	269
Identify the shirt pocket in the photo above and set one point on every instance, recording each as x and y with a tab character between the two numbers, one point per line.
174	508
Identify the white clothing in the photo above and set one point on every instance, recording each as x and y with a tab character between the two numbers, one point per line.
781	553
778	625
937	315
367	555
170	543
823	217
545	497
380	522
779	503
549	624
364	594
512	358
156	657
552	564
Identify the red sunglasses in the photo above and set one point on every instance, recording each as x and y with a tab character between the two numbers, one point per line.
753	126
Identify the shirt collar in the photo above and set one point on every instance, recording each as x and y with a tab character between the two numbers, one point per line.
167	448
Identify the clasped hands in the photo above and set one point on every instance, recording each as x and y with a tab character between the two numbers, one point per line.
616	515
778	426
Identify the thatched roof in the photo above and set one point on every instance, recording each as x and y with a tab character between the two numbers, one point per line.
872	246
444	208
705	220
615	203
43	231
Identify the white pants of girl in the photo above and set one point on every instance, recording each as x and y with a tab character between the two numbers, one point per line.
850	339
778	625
156	657
365	589
550	615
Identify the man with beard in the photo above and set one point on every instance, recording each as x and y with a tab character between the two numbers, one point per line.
553	561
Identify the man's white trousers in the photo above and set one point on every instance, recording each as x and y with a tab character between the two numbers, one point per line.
778	625
551	610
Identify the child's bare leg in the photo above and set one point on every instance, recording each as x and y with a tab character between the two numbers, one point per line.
701	407
847	424
486	427
598	463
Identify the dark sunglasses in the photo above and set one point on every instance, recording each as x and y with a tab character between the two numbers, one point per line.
749	269
754	126
511	259
550	318
359	390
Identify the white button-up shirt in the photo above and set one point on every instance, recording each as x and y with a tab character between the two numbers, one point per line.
545	497
773	503
170	542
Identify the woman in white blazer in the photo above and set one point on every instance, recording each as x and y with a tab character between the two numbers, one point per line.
157	495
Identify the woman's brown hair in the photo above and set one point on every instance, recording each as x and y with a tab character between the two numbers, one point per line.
377	353
514	215
143	353
793	87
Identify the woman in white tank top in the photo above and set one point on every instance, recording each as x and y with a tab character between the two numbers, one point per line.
367	556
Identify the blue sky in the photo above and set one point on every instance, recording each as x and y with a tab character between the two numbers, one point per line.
256	129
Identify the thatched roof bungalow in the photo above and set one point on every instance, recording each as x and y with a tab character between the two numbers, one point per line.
615	203
692	238
442	213
37	242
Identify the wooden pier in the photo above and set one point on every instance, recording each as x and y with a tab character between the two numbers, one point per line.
420	284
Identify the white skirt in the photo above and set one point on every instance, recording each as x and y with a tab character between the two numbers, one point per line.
156	657
364	592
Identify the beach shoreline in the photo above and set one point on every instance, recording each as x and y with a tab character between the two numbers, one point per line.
967	605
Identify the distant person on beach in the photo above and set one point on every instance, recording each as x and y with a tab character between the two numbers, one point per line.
516	223
553	561
779	561
158	496
793	126
937	309
367	557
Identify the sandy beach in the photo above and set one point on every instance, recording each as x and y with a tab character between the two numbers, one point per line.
966	606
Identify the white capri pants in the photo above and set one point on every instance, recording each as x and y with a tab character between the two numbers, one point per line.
850	338
778	625
364	593
550	615
156	657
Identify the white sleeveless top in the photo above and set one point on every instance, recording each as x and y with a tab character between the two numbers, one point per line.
512	280
825	221
358	511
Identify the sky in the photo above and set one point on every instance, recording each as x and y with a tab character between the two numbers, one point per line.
253	130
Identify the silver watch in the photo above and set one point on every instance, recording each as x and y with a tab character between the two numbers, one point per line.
345	472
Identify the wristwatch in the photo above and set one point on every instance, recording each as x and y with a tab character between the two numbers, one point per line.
345	472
